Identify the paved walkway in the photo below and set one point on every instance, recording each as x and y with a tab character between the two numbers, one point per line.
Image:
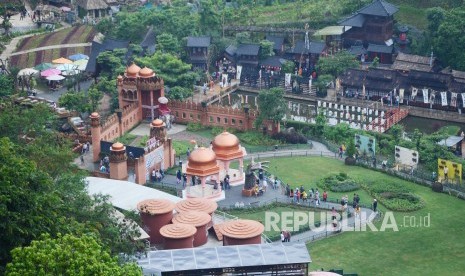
52	47
199	97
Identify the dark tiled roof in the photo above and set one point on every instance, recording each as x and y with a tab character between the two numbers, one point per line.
149	39
406	62
277	40
273	61
353	77
315	48
357	50
248	49
92	4
111	44
107	45
378	48
356	20
198	41
379	8
231	50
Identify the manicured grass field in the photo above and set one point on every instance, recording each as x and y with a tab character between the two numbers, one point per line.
434	250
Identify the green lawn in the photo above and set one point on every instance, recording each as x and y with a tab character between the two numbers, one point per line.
434	250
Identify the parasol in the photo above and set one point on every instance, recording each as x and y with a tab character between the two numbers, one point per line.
163	100
50	72
62	60
55	78
78	56
27	72
43	66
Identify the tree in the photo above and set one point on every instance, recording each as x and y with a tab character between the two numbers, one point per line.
7	84
210	19
266	49
337	64
67	255
179	93
351	150
288	67
72	100
448	36
94	97
320	122
435	17
271	106
111	63
167	43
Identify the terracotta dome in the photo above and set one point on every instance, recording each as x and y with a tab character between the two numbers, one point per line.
226	146
117	146
196	204
242	229
94	115
177	231
239	232
195	218
120	77
155	206
132	70
146	72
157	123
202	162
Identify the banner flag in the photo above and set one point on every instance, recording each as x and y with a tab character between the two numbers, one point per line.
414	93
401	95
453	100
425	95
239	72
287	81
444	98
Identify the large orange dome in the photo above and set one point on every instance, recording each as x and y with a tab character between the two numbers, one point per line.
157	123
226	146
132	70
202	162
117	146
146	72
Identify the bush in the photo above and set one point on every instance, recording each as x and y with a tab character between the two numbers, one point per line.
437	187
338	183
350	161
256	139
395	196
194	127
292	137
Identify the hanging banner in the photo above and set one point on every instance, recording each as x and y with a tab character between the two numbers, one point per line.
260	74
432	97
453	100
239	72
444	98
425	95
363	91
310	84
414	93
401	95
287	80
463	99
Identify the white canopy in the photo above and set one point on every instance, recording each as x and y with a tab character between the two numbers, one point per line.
332	30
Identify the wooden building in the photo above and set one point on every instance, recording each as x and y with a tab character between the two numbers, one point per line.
247	55
197	48
92	8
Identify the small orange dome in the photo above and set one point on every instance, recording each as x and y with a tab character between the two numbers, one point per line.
120	77
155	206
226	146
117	146
226	140
242	229
94	115
132	70
202	155
178	231
146	72
195	218
157	123
202	162
196	204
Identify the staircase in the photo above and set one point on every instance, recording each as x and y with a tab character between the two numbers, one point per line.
391	117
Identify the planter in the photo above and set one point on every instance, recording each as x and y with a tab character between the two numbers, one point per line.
350	161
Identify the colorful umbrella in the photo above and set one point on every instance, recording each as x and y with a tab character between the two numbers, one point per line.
70	73
55	78
66	67
27	72
43	66
81	64
50	72
163	100
65	9
62	60
78	57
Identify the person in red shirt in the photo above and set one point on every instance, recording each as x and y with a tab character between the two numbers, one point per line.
325	196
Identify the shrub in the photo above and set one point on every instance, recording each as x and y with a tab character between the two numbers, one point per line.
290	137
338	183
437	187
350	161
256	139
395	196
194	127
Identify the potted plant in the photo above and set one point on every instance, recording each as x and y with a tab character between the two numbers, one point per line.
350	151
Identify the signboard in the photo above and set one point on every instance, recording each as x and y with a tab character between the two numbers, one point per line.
453	170
406	157
153	158
365	145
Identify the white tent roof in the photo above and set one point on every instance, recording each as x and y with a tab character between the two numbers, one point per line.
450	141
332	30
125	194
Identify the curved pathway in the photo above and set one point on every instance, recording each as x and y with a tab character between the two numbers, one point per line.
50	47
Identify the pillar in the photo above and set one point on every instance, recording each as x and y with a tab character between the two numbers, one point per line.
140	170
95	132
118	162
241	167
152	113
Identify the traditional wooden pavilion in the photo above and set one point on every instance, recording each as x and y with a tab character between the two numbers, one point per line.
197	48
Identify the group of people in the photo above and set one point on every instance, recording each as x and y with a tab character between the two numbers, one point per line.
105	164
285	236
299	194
157	175
84	150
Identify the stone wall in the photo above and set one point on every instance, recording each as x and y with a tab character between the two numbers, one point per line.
111	128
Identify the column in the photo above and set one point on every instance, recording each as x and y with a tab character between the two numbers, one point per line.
152	113
96	137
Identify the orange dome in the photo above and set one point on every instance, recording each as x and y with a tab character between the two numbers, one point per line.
226	146
157	123
120	77
195	218
146	72
132	70
196	204
117	146
178	231
242	229
202	162
155	206
94	115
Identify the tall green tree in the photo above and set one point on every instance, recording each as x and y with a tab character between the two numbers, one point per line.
67	255
266	49
337	64
271	106
7	85
167	43
111	63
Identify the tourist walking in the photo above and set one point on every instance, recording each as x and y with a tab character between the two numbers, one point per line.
178	176
375	205
317	197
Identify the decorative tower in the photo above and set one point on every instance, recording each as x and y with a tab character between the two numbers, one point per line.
158	130
118	162
95	131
